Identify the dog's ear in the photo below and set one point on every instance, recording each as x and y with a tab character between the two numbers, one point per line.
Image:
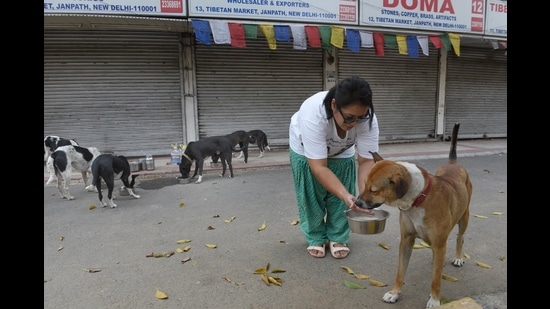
401	186
376	156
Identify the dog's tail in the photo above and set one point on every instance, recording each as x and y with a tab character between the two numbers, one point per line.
454	137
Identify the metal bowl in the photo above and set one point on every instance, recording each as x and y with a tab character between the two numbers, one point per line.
362	223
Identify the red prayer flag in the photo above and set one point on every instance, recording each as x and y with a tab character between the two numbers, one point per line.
236	32
313	36
378	43
436	41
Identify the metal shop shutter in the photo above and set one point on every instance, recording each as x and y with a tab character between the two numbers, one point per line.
254	87
115	90
404	90
477	93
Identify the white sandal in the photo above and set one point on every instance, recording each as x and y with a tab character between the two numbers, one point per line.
320	248
334	249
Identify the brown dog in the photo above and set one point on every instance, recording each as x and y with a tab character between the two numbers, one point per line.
431	205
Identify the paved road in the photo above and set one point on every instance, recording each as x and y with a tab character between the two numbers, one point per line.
117	241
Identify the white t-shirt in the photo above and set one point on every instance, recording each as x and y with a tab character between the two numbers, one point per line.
314	136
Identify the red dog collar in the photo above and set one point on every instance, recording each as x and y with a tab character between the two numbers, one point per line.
424	194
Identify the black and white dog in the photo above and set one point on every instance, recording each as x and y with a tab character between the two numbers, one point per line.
105	167
259	138
51	142
197	151
64	159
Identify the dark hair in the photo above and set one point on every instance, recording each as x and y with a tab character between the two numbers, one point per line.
351	90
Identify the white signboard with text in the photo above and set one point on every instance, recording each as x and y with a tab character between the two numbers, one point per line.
460	16
312	11
496	23
118	7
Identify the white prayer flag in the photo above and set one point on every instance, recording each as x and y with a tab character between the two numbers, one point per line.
366	39
299	36
220	32
423	41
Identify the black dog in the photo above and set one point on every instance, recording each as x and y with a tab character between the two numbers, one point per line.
197	151
51	142
106	166
259	138
240	138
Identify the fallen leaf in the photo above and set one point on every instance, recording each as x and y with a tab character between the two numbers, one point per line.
179	250
384	245
449	278
353	285
500	191
210	227
294	222
187	248
361	277
215	216
182	204
91	207
349	270
262	227
61	238
169	254
265	279
423	243
228	279
159	255
497	213
211	246
152	254
377	283
230	219
60	248
282	241
160	295
187	259
502	258
480	216
278	270
466	255
92	270
418	247
274	280
183	241
483	265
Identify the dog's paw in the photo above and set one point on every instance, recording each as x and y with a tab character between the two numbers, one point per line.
137	196
458	262
390	297
432	303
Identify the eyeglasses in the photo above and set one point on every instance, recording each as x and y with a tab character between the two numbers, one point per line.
348	120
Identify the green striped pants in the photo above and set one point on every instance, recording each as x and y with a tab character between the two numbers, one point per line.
315	203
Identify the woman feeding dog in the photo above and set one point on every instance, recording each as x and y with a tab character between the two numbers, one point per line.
323	137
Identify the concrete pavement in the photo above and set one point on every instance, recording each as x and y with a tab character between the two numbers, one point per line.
279	157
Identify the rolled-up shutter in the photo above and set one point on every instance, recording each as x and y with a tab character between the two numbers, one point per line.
476	96
115	90
254	87
404	90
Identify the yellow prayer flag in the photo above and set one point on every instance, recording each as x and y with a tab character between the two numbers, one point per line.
455	41
337	36
269	34
402	44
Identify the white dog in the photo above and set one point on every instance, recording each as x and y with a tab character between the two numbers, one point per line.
66	158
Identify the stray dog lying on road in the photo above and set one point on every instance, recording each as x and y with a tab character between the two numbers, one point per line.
105	167
197	151
430	207
66	158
